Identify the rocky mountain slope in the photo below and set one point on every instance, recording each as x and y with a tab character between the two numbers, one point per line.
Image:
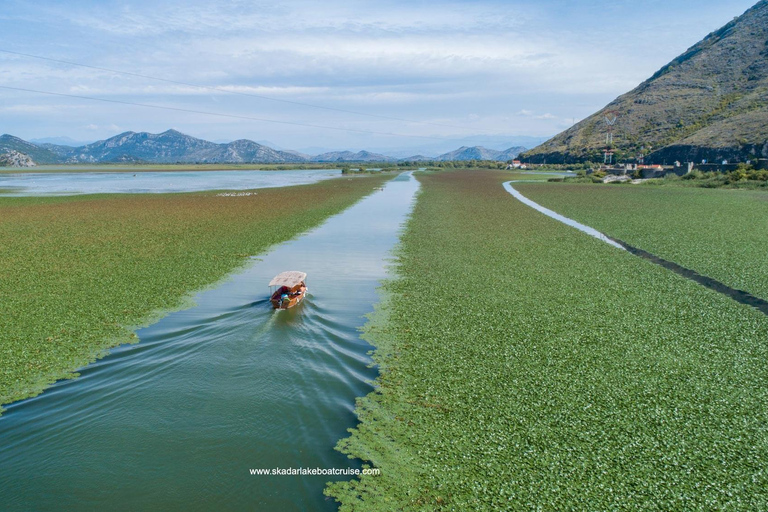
12	158
36	153
711	103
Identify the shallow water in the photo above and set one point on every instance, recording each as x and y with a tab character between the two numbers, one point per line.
177	420
48	184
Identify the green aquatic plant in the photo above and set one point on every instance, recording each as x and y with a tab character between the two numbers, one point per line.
79	273
717	233
594	380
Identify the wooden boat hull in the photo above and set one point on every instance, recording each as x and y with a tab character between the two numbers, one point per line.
285	299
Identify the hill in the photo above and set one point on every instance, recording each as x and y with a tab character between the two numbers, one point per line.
348	156
12	158
172	146
40	155
480	153
711	103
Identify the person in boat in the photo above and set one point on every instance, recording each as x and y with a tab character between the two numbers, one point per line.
291	289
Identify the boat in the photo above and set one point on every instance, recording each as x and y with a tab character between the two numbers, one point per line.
287	289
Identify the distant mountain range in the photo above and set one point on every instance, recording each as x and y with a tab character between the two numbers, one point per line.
61	141
711	103
175	147
480	153
348	156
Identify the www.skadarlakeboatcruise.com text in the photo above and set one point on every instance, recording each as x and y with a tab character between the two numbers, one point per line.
315	471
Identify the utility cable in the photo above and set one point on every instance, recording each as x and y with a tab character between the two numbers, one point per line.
218	114
228	91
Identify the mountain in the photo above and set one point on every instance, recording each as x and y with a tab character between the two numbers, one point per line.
711	103
38	154
510	154
247	151
172	146
438	147
480	153
12	158
59	141
175	147
61	151
348	156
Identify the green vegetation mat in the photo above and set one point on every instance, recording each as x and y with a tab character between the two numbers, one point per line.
78	273
722	234
528	366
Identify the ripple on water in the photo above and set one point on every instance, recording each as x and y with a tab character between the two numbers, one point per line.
178	419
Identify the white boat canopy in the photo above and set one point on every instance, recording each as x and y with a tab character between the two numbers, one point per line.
289	279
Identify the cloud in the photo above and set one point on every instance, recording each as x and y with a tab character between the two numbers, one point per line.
35	108
110	128
198	17
531	114
517	65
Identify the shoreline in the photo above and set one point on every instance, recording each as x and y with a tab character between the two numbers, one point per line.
108	168
108	264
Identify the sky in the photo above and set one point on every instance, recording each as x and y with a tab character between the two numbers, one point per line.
388	73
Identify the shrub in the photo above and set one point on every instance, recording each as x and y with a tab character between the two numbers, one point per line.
694	175
735	176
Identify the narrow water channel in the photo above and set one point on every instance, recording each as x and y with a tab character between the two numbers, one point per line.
178	420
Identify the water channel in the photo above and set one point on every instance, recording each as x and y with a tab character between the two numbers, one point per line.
178	420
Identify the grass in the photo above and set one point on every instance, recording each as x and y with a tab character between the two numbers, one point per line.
718	233
741	178
527	366
79	273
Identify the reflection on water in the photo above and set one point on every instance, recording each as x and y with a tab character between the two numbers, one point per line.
177	420
47	184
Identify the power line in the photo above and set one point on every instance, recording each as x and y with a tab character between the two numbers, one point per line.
221	89
218	114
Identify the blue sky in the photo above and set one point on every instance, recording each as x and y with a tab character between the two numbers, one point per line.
451	68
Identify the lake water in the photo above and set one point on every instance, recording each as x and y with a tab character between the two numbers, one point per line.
176	421
48	184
